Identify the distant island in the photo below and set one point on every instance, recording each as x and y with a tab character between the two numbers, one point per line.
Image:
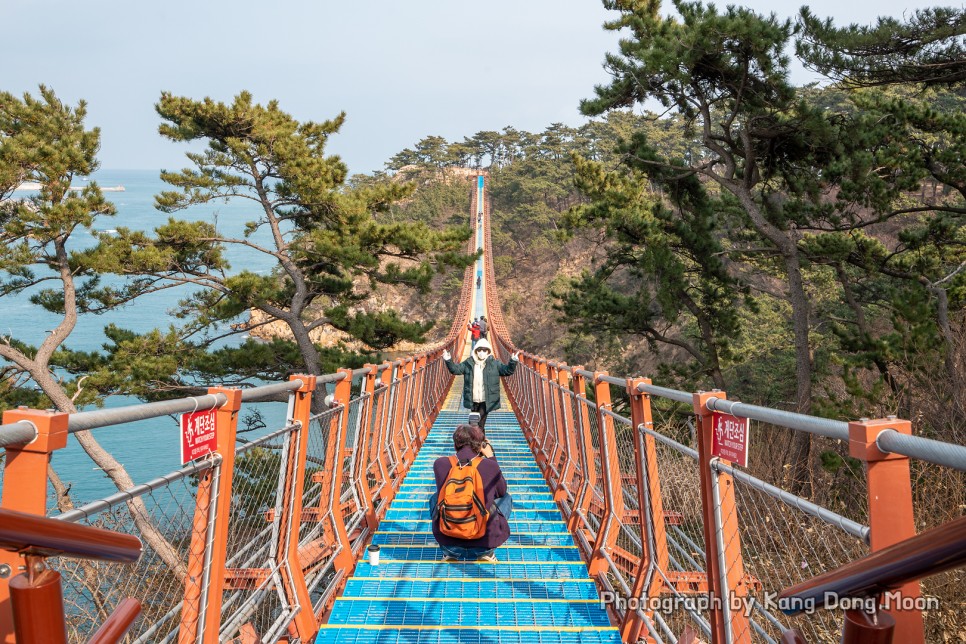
33	185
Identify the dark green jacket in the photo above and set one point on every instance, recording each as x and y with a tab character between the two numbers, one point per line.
492	371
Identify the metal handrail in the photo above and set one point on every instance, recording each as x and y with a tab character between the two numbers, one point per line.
924	449
24	431
664	392
18	433
30	534
812	424
113	500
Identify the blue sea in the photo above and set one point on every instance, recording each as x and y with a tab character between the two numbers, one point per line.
148	448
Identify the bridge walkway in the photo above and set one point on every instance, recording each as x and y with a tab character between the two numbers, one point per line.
538	592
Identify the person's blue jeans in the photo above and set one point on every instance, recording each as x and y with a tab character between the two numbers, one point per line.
466	553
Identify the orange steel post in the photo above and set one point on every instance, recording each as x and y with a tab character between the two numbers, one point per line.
405	414
397	442
552	474
385	417
343	394
290	519
392	450
362	447
704	431
550	422
533	419
890	507
378	444
226	427
560	426
543	431
526	399
611	478
194	580
434	367
650	506
585	446
444	378
25	486
422	419
415	409
429	395
567	431
520	397
736	586
204	585
540	435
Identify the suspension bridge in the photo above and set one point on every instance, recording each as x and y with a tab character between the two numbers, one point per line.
628	524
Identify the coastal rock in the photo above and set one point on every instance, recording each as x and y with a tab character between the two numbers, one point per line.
325	336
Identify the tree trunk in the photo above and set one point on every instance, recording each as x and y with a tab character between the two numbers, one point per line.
118	475
800	473
942	320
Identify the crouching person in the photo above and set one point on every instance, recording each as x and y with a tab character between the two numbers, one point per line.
470	515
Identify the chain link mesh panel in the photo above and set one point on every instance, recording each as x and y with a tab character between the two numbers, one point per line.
93	588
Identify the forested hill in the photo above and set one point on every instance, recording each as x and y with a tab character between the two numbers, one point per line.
608	257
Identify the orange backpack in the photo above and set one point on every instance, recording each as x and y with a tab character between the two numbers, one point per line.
460	509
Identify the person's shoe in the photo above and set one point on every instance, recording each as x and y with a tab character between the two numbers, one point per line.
449	558
491	558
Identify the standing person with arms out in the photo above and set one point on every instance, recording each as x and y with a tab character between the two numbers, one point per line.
481	378
471	506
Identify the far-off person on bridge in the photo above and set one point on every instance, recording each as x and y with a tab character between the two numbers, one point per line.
481	378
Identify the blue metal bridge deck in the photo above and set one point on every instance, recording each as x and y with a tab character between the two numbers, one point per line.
538	592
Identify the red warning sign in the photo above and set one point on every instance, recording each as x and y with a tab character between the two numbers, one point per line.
198	436
729	438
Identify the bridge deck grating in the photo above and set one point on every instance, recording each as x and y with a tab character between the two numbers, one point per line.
538	592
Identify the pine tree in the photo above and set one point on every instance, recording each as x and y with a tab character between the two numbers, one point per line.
332	244
928	48
44	140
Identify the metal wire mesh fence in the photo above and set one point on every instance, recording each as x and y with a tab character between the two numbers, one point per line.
597	490
376	479
317	530
577	480
939	495
93	589
785	540
253	594
628	549
680	558
350	497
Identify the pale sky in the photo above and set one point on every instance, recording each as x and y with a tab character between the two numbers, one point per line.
401	69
